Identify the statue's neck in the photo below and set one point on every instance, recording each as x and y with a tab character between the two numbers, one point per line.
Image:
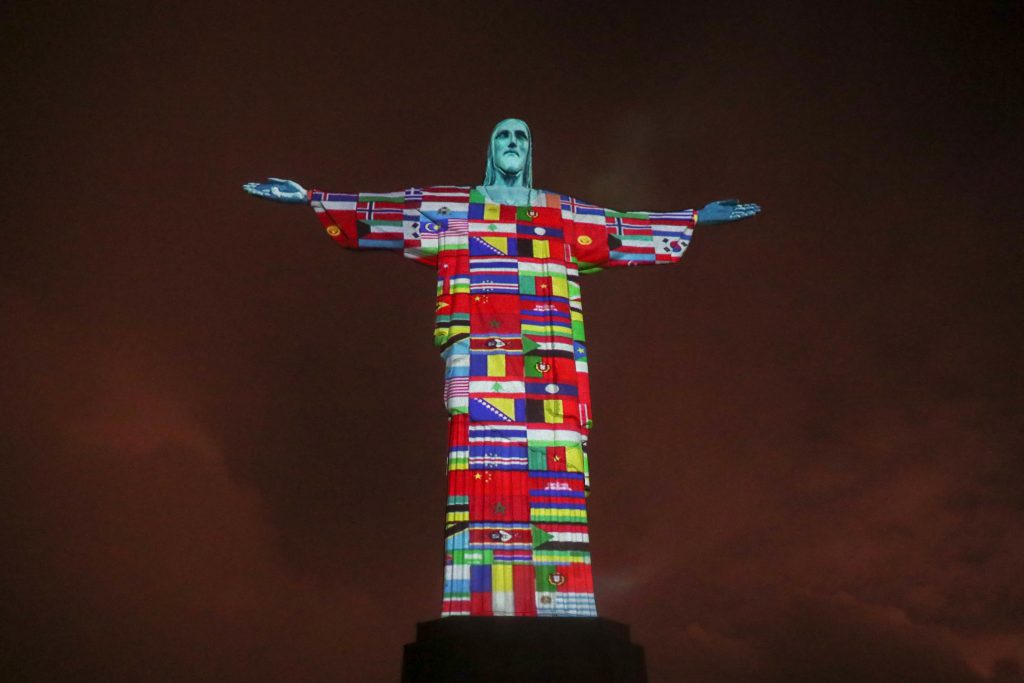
503	179
515	196
509	188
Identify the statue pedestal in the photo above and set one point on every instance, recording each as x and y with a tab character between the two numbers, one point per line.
523	650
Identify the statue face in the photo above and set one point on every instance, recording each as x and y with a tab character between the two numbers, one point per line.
510	146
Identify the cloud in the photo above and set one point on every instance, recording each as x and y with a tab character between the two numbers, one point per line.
140	556
817	638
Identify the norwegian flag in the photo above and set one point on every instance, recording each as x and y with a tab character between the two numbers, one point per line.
379	211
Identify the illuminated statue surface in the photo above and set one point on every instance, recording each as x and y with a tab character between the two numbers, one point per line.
509	326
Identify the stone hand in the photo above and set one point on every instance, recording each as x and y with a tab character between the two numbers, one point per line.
278	190
725	211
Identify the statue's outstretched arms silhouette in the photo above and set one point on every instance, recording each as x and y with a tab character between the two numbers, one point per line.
368	220
605	238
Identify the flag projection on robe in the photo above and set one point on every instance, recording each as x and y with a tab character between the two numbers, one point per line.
509	326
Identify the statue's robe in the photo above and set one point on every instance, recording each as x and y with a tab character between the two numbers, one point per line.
510	329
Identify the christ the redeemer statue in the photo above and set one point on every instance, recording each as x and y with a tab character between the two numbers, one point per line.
510	331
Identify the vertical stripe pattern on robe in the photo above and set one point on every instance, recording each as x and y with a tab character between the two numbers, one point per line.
509	326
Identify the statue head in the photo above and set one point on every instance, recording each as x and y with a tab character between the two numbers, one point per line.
510	155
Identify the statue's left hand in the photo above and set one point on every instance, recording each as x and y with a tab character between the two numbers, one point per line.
726	210
278	190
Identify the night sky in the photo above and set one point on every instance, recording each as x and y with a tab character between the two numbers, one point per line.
223	439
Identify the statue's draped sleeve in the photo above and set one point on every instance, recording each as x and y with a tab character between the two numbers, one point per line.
605	238
378	220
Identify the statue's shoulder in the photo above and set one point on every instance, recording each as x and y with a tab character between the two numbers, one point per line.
552	200
452	191
444	198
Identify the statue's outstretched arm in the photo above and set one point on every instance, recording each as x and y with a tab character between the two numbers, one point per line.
636	238
726	211
278	190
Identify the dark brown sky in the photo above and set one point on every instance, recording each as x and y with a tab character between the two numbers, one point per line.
223	437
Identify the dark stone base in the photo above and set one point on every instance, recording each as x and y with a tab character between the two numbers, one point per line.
523	650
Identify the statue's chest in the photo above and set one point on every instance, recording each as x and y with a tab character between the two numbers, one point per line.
488	234
533	237
505	271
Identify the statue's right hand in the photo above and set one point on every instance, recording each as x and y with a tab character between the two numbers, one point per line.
278	190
